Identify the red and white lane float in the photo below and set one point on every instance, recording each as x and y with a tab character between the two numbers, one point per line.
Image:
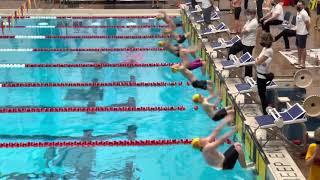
92	84
78	49
98	65
85	37
91	109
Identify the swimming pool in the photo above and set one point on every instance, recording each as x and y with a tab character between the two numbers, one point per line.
161	162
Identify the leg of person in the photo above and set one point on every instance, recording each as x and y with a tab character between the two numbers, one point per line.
298	43
248	69
273	22
188	74
230	157
157	4
259	9
277	37
235	48
207	15
246	4
241	157
303	50
193	3
262	83
288	33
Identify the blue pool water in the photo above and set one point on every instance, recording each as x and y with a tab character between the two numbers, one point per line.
164	162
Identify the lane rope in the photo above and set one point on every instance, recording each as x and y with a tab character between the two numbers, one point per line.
163	142
89	27
92	84
85	37
77	49
90	109
85	17
98	65
160	142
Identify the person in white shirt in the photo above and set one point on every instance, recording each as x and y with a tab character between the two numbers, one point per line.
248	39
274	17
303	26
263	62
209	148
207	8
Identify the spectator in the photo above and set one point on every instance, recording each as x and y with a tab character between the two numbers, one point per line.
263	62
236	4
248	39
274	17
313	157
303	26
246	4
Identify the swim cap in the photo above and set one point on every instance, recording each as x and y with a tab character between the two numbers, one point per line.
196	143
161	43
174	69
196	98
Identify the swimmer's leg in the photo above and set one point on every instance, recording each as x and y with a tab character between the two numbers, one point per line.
188	74
241	157
210	86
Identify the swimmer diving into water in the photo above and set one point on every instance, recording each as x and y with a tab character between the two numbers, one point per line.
209	148
186	62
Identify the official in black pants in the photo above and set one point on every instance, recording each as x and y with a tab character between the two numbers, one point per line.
263	62
248	39
286	34
259	8
274	17
246	4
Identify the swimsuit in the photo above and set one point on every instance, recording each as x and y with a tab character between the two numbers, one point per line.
220	114
201	84
230	157
195	64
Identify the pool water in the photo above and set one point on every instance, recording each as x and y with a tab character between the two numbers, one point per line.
163	162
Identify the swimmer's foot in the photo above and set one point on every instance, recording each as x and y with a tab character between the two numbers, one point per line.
250	166
187	35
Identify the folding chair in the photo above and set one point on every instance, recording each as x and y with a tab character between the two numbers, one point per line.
292	23
276	120
286	18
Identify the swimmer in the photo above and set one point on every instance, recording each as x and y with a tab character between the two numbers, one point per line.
200	84
186	62
209	148
163	16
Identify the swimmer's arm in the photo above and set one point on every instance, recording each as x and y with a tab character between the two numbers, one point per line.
216	131
221	140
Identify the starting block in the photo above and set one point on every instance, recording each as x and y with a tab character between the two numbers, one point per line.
213	30
222	44
214	17
245	60
275	121
250	85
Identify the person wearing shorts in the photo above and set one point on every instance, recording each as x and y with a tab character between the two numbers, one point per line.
302	31
209	148
236	4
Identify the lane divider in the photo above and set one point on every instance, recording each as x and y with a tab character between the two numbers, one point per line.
78	49
90	109
88	27
100	65
117	143
85	17
92	84
85	37
162	142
